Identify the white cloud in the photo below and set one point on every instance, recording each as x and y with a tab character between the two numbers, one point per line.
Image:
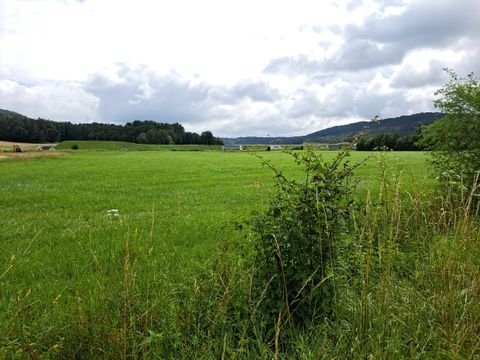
57	101
236	68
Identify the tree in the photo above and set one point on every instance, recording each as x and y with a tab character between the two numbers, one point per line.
19	133
142	138
207	138
455	139
16	127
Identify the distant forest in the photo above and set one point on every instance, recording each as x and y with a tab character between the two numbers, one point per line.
391	142
16	127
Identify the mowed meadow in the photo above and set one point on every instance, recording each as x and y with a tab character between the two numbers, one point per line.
138	254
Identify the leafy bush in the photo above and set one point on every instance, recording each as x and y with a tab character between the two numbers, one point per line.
455	139
296	238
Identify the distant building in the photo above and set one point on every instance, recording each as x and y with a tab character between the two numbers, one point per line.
232	147
275	147
338	146
45	148
17	148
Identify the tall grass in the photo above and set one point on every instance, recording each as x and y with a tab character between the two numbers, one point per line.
415	293
407	282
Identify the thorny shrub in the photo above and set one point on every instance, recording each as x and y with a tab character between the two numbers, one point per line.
296	238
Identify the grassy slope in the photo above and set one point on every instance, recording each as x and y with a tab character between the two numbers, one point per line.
193	196
62	258
127	146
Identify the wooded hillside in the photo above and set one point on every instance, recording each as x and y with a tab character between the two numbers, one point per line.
17	127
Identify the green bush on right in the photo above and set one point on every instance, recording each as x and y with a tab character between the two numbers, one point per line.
455	139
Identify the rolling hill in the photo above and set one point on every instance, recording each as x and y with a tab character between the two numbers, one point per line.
403	125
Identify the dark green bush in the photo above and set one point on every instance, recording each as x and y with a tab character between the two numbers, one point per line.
296	238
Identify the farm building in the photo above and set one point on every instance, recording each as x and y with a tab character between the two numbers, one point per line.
275	147
232	147
45	148
17	149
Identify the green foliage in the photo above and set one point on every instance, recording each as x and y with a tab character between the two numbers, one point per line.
16	127
296	237
455	139
394	142
142	138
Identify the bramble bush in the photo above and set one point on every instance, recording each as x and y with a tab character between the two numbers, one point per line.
295	240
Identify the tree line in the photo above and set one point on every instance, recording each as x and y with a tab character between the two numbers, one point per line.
389	141
16	127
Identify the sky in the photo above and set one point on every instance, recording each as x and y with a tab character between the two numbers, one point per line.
236	68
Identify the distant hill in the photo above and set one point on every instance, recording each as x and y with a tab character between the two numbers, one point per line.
7	114
403	125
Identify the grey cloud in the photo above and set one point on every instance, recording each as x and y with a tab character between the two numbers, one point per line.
384	41
137	93
259	125
356	101
352	102
355	4
356	55
306	103
423	24
130	93
255	90
366	103
141	94
363	54
409	77
292	66
470	63
61	101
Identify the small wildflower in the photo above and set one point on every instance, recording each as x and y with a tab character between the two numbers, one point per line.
13	258
57	298
113	213
56	347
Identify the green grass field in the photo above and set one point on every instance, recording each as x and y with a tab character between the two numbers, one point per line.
84	145
78	283
190	196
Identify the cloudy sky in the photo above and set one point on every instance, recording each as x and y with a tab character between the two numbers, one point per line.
249	67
